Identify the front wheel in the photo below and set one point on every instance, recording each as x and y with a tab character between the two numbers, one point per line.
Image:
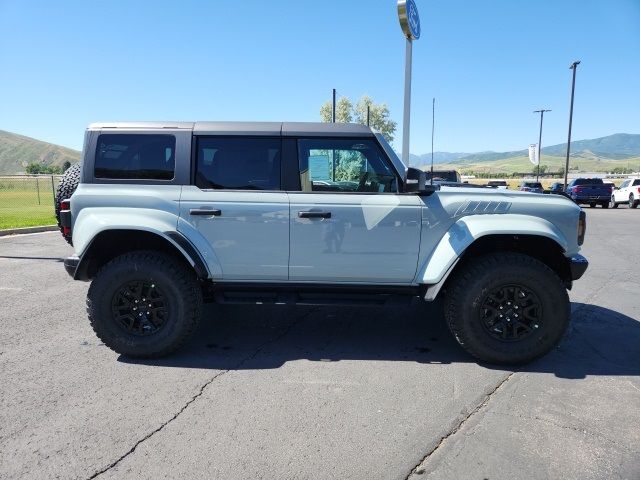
613	203
144	304
592	205
507	308
605	204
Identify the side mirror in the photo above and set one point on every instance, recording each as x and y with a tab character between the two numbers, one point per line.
416	182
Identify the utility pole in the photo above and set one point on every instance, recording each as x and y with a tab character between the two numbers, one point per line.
368	110
541	112
573	67
333	107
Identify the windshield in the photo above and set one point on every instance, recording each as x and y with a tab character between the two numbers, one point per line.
533	185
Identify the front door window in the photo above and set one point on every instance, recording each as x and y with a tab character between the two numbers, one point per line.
337	165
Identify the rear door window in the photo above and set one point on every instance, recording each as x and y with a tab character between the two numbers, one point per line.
135	156
238	163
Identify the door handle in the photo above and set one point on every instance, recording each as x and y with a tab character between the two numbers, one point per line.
314	214
205	212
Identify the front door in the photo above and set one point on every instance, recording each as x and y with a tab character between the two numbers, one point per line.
237	205
349	224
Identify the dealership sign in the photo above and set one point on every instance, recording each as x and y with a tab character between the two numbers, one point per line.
409	19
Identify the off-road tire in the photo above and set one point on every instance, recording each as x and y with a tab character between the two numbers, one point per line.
476	278
66	187
179	287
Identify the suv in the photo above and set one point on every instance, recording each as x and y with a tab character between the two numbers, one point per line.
628	192
167	215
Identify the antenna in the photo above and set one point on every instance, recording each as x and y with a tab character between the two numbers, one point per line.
433	124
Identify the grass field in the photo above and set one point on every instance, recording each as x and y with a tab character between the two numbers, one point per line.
25	202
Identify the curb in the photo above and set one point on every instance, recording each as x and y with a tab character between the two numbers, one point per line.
18	231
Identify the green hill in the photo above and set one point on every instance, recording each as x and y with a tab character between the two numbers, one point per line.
582	162
17	151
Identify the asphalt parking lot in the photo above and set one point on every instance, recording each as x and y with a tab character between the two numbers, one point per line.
282	392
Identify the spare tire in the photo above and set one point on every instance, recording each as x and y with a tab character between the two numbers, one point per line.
66	187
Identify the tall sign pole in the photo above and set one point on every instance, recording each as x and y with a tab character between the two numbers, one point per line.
410	24
573	67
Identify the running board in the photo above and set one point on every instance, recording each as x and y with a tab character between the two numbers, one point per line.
312	295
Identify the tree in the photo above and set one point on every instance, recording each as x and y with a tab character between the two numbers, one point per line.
344	109
543	168
378	117
66	165
346	113
33	168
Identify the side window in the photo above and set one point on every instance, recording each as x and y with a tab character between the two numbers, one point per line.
344	165
238	163
636	183
135	156
624	184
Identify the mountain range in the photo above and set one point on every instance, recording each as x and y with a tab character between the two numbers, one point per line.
619	146
622	149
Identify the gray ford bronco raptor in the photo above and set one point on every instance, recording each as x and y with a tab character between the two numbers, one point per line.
164	216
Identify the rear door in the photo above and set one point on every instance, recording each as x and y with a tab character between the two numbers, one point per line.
348	223
236	203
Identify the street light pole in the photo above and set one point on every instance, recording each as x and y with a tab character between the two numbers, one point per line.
573	67
541	112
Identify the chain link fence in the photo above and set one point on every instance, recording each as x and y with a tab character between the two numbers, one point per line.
27	200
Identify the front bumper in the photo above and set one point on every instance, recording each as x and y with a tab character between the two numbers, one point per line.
71	265
578	265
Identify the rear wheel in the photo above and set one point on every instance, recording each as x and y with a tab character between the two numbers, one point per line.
67	186
507	308
605	204
144	304
633	203
592	204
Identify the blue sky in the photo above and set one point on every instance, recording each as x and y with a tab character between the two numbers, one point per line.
489	64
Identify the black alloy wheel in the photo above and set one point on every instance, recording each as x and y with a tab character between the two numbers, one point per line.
511	312
139	307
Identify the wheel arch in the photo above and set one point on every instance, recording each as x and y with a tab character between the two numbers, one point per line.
475	236
110	243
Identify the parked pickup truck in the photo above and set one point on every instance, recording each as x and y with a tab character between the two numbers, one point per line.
164	216
590	191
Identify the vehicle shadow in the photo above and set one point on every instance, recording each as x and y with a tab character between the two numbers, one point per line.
233	337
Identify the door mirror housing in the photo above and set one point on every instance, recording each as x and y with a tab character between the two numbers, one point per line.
416	182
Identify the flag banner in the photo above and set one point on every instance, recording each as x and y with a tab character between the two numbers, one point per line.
533	154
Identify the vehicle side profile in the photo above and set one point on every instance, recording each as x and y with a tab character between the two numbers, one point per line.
168	215
628	192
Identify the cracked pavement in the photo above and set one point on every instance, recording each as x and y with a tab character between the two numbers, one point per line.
330	392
